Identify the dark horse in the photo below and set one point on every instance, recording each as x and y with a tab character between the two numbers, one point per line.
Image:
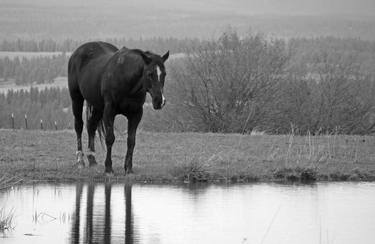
112	82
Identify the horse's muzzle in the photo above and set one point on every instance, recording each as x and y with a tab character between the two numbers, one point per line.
159	103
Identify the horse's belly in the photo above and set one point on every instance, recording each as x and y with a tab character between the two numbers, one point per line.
90	89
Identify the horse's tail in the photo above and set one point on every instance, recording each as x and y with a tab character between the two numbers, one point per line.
101	131
100	127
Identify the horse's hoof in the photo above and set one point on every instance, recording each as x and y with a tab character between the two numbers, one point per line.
80	165
109	173
92	161
80	161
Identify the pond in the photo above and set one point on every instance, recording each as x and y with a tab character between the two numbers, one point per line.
257	213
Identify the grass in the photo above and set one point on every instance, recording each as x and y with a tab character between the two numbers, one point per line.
6	220
7	181
193	157
6	217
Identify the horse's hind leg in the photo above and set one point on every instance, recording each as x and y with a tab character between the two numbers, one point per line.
93	118
108	119
77	105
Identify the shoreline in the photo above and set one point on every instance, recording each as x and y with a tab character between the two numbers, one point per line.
185	158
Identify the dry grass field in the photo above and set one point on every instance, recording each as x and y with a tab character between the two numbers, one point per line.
192	157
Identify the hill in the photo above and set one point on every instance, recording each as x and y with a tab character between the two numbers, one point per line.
184	18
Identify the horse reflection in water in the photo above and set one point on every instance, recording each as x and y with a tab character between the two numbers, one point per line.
97	230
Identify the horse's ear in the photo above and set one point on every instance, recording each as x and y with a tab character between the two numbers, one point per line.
146	58
165	56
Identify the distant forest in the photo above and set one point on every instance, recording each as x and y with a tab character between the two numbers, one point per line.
229	84
33	70
156	44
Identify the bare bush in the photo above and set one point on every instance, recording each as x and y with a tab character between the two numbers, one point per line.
332	96
231	85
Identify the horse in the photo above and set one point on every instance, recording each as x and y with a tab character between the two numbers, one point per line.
113	82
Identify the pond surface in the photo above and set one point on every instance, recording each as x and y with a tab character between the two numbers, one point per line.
259	213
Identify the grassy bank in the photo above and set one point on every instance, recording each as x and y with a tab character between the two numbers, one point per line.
193	157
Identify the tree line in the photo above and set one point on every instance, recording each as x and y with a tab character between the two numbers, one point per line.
33	70
49	106
155	44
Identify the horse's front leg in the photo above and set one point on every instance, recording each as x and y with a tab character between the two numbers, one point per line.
133	122
93	118
108	119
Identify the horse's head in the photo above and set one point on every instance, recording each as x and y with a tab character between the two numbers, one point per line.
154	77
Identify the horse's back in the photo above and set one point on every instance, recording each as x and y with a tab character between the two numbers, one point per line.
89	51
85	66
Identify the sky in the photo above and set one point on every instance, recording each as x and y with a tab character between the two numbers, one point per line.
309	7
247	7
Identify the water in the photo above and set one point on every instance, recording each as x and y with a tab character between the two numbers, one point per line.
260	213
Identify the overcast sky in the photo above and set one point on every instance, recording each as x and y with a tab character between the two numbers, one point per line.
311	6
280	7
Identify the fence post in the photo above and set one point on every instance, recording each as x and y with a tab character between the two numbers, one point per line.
41	124
26	121
12	118
55	125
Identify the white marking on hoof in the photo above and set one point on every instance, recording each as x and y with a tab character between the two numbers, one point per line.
163	100
90	153
80	165
79	155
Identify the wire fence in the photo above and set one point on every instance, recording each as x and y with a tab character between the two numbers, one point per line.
43	124
30	123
